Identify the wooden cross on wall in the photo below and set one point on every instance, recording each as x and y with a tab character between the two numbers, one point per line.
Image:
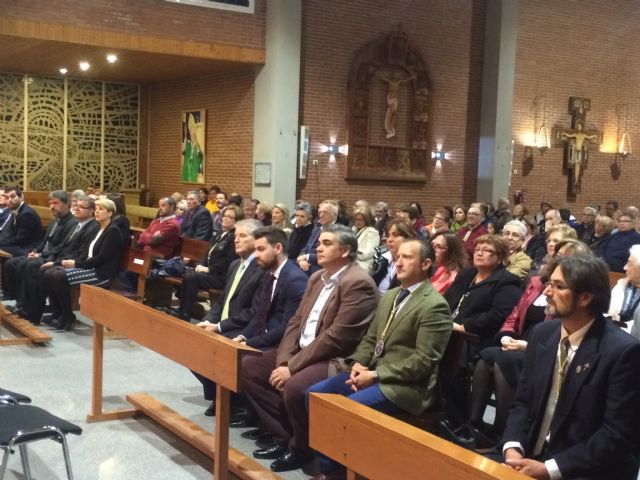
576	142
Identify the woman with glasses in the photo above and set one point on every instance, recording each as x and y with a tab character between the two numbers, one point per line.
368	237
440	222
498	369
384	267
450	260
480	299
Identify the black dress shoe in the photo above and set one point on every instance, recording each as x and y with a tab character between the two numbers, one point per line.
175	312
255	434
243	422
63	323
211	410
265	442
290	460
271	453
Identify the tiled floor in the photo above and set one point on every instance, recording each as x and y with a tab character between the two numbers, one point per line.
58	378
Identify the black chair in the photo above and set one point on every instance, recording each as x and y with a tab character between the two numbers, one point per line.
7	396
23	424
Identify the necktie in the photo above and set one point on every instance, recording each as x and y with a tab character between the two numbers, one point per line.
77	229
232	290
402	294
563	355
265	304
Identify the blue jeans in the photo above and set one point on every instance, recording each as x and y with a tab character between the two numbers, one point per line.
371	397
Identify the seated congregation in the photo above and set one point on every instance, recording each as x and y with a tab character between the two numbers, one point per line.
364	304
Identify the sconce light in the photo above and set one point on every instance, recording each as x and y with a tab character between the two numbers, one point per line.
624	147
528	153
437	156
542	135
333	149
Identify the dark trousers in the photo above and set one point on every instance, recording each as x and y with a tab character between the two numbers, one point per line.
14	277
283	414
191	283
59	292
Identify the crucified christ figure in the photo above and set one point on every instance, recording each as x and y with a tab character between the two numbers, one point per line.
578	149
393	80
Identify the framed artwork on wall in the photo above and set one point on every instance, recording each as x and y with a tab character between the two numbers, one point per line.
192	164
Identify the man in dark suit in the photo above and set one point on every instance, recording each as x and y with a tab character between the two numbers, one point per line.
5	213
334	313
213	268
308	259
575	413
26	230
197	222
395	367
16	269
74	247
258	308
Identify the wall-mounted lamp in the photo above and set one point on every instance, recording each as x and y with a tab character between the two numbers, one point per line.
437	155
333	149
542	134
624	147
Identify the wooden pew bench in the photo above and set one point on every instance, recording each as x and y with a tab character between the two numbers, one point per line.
379	447
29	333
194	250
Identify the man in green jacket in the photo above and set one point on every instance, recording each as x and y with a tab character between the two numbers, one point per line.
395	367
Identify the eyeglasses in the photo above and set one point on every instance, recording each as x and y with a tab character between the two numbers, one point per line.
438	218
473	213
511	234
483	251
558	287
84	208
439	247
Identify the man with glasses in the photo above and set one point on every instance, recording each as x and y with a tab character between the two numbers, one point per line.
308	259
513	235
586	229
196	221
473	230
615	251
575	413
31	295
61	224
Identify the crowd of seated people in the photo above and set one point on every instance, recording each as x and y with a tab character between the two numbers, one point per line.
358	301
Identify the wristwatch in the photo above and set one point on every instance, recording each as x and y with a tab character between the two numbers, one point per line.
374	375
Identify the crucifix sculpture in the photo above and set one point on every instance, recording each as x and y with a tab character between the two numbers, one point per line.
577	141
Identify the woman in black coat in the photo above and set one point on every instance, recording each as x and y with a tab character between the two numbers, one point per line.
99	266
480	299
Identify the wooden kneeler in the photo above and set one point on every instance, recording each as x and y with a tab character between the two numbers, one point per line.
211	355
28	332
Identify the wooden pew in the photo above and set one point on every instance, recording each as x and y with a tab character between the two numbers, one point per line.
614	277
379	447
44	213
194	250
140	216
213	356
28	331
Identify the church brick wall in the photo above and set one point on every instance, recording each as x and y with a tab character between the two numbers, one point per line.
586	49
449	34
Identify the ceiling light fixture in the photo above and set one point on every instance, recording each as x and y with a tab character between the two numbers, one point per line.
84	66
112	58
63	71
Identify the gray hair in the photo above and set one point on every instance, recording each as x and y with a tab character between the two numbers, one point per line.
590	211
519	225
345	237
556	214
634	254
60	195
77	194
91	203
382	206
305	206
251	224
333	207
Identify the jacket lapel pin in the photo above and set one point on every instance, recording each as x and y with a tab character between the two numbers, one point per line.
583	368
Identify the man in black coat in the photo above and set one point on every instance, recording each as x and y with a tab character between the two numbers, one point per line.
26	230
33	294
16	268
575	413
197	222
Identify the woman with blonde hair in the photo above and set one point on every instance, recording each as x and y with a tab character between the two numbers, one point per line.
280	218
99	266
368	237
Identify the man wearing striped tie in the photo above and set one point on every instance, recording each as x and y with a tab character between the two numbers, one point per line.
575	413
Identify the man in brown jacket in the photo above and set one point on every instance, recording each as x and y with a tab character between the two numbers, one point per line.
338	304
